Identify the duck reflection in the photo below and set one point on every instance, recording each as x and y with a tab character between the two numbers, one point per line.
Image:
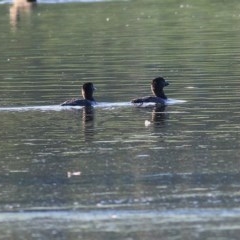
20	8
158	117
88	123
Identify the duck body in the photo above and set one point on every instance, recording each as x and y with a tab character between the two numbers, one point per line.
159	97
78	102
87	93
149	99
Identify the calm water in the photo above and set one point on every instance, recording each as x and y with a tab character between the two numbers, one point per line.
101	173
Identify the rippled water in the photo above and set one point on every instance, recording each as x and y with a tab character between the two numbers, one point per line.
117	171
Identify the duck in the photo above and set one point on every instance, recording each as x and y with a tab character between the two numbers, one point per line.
87	93
159	97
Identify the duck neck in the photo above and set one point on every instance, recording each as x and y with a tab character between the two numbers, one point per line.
87	96
160	94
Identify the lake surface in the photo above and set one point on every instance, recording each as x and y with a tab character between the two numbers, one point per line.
101	173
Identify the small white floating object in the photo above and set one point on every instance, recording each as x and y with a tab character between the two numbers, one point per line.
70	174
147	123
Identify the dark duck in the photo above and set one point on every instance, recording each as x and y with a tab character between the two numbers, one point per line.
87	93
159	97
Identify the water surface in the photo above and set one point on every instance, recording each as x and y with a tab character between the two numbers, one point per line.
102	173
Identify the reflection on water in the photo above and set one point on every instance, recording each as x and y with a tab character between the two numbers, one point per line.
88	123
99	173
158	116
125	225
21	9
